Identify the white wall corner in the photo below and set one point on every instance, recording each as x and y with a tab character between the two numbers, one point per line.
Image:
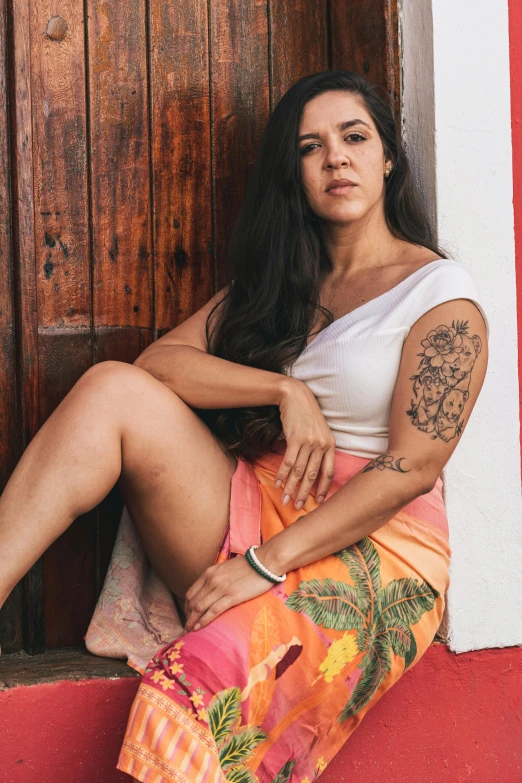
457	133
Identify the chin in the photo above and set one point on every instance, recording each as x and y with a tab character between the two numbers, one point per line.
343	217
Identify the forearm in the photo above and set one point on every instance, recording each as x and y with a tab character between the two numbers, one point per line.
205	381
356	510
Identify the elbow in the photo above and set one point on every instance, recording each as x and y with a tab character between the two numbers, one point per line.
426	483
139	361
143	360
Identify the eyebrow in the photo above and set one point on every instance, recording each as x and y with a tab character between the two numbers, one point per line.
341	126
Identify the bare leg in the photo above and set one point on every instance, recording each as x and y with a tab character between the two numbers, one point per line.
118	423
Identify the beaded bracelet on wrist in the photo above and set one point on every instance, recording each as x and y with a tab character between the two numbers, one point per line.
260	568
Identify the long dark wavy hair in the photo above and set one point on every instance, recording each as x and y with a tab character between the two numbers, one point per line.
277	258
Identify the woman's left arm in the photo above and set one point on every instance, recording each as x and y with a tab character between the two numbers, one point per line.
442	370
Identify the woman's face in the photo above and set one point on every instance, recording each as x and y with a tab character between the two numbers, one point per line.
338	140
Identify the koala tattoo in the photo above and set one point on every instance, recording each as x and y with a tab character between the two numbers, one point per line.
441	385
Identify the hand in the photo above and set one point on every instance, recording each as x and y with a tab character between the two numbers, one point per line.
220	587
310	445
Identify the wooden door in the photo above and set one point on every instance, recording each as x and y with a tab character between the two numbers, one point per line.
127	134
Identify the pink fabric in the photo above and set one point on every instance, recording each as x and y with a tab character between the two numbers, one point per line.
136	613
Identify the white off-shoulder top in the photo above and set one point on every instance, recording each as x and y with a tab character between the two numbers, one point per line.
351	366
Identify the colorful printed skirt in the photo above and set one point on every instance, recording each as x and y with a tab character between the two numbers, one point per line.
271	689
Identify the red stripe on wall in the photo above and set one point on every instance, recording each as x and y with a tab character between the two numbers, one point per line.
515	56
451	719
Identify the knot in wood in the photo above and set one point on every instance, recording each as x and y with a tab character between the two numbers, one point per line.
56	28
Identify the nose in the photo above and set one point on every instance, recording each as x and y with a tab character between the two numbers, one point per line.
336	157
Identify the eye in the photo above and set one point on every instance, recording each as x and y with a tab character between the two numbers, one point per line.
357	137
307	148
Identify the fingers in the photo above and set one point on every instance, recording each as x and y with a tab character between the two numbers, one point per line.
213	610
207	598
327	474
293	473
302	464
309	476
287	463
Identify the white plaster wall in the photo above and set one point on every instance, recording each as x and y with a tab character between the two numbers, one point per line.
457	130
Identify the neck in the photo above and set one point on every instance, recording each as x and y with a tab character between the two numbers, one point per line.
355	247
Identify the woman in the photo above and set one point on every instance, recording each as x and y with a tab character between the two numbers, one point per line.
308	409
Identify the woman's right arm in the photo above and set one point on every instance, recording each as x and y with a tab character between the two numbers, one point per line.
181	361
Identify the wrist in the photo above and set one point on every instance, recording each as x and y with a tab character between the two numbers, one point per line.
272	557
286	388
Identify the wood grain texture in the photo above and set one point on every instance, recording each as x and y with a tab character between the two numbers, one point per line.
58	665
62	277
25	285
240	108
10	615
120	164
364	38
298	42
181	161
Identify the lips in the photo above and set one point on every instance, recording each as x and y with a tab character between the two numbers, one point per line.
340	185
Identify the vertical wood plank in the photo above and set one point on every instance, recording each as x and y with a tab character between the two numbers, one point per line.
365	38
61	225
33	631
11	613
181	160
298	48
240	107
120	174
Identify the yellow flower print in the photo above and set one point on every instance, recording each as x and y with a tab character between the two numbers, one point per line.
179	644
176	668
174	655
157	676
340	652
203	714
167	684
196	699
305	780
321	764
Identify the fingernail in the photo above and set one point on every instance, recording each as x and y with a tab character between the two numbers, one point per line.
278	483
286	498
299	504
320	498
197	627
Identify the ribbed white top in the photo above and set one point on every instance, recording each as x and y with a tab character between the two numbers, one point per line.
352	365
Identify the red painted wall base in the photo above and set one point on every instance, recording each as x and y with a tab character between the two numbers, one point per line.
453	718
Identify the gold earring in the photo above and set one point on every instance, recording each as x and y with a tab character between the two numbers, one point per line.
388	172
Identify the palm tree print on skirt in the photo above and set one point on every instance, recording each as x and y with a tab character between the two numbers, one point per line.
381	617
236	742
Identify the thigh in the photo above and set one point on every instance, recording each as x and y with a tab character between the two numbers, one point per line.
175	479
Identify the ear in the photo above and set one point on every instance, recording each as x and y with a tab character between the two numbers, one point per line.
477	342
466	396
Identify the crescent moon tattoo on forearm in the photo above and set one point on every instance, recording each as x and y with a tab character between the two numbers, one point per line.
441	384
384	461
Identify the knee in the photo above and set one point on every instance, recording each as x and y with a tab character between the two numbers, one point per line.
112	377
123	382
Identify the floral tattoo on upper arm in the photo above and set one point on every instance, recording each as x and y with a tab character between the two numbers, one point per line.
441	385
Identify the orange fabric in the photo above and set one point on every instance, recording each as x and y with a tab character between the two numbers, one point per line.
272	689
